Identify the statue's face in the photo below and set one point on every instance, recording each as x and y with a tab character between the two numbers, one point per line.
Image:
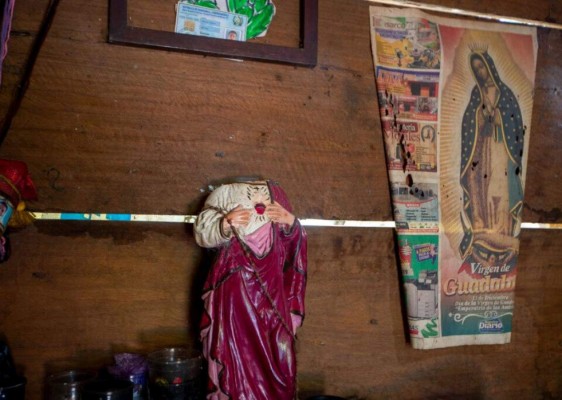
258	194
480	69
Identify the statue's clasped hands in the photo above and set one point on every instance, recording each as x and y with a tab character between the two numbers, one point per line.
240	216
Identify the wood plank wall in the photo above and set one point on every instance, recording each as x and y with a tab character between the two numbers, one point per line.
107	128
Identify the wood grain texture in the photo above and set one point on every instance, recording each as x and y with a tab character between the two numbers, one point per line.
108	128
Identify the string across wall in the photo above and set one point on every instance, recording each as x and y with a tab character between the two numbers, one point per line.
190	219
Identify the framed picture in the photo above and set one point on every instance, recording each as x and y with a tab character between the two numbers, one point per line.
304	53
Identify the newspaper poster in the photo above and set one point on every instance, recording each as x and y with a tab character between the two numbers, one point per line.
455	100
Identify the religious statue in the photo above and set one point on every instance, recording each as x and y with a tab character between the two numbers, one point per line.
492	152
254	293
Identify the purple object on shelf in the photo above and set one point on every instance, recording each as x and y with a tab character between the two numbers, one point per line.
128	364
131	367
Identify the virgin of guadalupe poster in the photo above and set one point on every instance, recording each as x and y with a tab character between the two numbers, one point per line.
455	98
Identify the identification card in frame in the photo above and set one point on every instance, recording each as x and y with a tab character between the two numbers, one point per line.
203	21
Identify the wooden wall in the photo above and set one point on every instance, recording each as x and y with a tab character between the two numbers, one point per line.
108	128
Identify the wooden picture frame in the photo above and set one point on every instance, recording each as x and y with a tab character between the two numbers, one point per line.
304	55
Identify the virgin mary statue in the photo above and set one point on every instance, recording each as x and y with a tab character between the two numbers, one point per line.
492	150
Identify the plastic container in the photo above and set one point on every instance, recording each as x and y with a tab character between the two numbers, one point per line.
66	385
174	373
108	390
13	388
